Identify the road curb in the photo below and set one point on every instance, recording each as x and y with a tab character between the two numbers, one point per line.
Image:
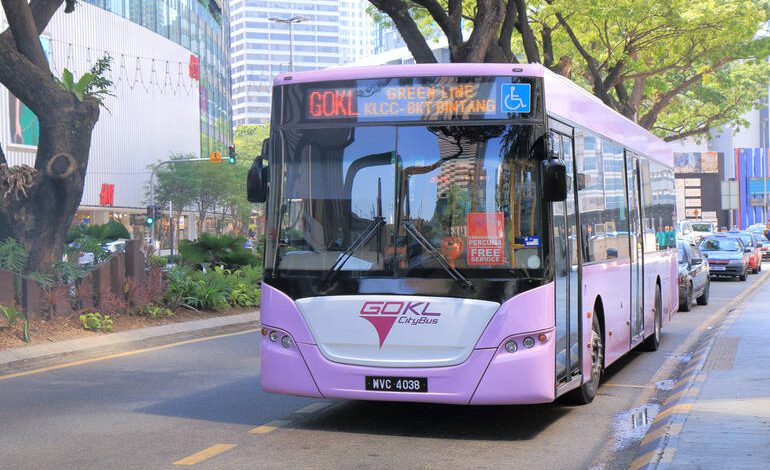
141	338
659	442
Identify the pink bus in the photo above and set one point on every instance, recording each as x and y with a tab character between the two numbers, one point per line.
458	233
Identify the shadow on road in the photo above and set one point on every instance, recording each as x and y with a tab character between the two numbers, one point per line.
237	402
510	423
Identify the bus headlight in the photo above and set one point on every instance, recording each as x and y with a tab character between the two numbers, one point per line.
286	342
511	346
274	336
528	342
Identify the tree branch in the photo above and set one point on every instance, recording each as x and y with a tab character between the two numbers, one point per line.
506	31
648	120
593	65
25	32
398	11
450	24
528	38
489	17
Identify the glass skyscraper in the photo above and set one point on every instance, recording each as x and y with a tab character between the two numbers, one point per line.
202	27
332	33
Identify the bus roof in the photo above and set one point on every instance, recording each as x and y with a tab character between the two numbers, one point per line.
564	99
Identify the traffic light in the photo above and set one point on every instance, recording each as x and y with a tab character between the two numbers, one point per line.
150	216
231	155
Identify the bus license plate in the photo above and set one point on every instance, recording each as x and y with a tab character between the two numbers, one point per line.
717	268
397	384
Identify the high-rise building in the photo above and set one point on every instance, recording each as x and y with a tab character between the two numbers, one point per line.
322	34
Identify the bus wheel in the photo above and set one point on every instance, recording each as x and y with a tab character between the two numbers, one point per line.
585	393
652	343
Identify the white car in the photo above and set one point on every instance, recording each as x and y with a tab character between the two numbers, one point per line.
701	229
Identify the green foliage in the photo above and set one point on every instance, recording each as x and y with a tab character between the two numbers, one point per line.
67	271
160	261
95	321
213	290
90	238
211	250
109	232
13	256
155	311
93	84
11	315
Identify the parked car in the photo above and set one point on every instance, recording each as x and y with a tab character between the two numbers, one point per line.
694	279
685	232
701	229
727	256
751	240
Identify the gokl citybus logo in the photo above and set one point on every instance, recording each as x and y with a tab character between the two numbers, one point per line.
383	315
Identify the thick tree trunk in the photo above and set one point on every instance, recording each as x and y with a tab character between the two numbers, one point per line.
40	218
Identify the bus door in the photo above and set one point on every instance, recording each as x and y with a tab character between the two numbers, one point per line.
566	280
635	239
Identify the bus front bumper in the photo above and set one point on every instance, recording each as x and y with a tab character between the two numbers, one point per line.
488	376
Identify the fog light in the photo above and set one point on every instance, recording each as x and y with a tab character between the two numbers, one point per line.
542	338
511	346
286	342
274	336
528	342
264	331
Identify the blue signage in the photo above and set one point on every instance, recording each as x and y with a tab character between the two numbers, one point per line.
515	97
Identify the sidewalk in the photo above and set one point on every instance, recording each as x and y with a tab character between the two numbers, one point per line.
729	423
718	414
32	357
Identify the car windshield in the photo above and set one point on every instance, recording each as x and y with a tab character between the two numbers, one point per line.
720	244
747	239
375	200
702	227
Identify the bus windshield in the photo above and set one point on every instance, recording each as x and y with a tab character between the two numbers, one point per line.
409	201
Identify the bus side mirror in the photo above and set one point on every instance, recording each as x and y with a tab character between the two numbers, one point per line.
554	180
257	179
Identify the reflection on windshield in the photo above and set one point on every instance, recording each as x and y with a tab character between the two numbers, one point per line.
470	191
720	244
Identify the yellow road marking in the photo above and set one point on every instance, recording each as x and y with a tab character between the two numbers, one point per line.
670	430
123	354
678	395
676	409
205	454
312	408
270	427
642	460
627	386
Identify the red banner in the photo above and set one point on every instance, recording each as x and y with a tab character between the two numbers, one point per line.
486	234
107	195
195	67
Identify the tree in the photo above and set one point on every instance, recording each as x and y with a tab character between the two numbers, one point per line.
248	145
201	186
37	204
677	67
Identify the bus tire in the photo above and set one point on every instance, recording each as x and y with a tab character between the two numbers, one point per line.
652	343
585	394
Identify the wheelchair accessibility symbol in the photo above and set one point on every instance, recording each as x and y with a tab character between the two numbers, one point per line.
515	97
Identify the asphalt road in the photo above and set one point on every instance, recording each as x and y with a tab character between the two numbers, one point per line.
201	404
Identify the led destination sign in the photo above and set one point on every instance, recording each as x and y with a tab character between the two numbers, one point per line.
433	99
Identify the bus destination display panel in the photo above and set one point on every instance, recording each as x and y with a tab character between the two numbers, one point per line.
421	99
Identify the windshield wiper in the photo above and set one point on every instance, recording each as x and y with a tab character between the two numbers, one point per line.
427	246
371	230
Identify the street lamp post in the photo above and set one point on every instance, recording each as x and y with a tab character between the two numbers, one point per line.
290	22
